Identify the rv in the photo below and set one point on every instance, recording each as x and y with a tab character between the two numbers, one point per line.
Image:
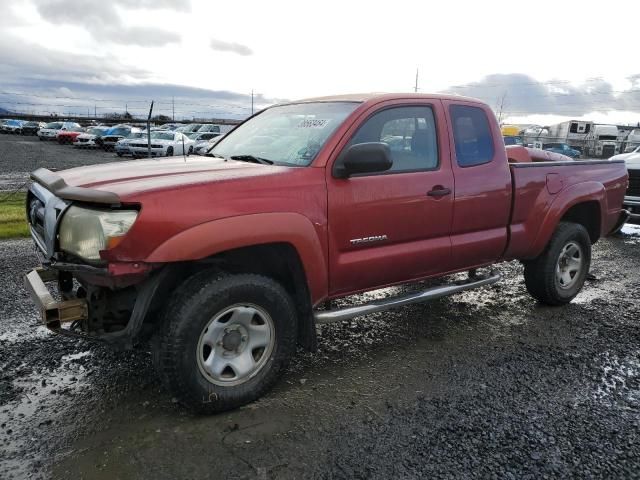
602	142
572	132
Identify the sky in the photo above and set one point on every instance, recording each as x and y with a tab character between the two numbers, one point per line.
534	62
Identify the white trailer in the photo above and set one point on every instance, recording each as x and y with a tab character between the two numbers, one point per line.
572	132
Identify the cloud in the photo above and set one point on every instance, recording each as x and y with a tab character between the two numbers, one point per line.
42	94
102	19
142	36
522	95
28	62
232	47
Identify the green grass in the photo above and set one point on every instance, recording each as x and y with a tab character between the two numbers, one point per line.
13	223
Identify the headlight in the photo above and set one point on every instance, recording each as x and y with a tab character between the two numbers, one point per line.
84	232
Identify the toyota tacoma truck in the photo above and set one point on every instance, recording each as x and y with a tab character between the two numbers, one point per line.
225	264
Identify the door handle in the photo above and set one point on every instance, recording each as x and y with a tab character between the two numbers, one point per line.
439	191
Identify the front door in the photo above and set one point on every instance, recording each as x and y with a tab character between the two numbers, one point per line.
393	226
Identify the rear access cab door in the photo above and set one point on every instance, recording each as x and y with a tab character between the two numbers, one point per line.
482	202
392	226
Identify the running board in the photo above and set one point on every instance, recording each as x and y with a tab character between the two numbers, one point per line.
330	316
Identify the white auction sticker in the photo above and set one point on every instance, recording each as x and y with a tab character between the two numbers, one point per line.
313	123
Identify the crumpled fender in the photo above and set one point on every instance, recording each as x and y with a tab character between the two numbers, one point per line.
575	194
217	236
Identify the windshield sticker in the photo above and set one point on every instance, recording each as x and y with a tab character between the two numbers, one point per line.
313	123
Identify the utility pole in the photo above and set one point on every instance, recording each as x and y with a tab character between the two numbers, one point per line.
415	89
173	109
95	111
252	101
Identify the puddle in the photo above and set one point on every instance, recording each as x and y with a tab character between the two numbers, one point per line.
45	396
620	376
631	229
17	336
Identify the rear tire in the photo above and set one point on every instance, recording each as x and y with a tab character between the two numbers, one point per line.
558	274
225	340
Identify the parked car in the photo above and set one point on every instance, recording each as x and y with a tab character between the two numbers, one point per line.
186	129
12	126
201	139
512	140
228	263
628	155
170	126
31	128
562	148
50	130
163	144
122	146
208	127
111	136
88	138
67	136
632	196
207	147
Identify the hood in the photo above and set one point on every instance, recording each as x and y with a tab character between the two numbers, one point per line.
126	179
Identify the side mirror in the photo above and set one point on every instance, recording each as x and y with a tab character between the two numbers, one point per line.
369	157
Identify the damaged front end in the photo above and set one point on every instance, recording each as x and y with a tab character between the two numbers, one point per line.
91	298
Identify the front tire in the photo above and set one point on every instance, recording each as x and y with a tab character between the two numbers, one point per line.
225	340
558	274
170	152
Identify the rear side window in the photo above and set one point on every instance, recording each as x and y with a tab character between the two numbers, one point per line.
472	135
410	133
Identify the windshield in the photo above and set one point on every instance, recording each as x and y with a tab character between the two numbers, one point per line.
290	134
54	125
162	135
137	135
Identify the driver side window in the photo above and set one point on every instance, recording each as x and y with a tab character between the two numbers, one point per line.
410	134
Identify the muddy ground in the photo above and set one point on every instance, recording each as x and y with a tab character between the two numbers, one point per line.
486	384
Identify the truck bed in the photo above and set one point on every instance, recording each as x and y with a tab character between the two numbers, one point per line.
544	190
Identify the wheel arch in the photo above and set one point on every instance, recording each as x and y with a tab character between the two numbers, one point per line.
583	203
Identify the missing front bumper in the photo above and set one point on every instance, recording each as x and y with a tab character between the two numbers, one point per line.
53	313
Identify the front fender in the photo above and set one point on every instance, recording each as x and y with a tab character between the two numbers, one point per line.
217	236
574	195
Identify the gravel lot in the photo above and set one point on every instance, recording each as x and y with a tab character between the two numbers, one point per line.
21	155
486	384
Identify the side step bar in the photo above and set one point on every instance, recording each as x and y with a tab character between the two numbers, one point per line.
330	316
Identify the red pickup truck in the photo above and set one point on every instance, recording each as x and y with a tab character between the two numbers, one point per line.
225	264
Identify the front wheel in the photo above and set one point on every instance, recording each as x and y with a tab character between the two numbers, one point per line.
558	274
225	340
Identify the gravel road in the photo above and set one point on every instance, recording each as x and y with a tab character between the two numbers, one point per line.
486	384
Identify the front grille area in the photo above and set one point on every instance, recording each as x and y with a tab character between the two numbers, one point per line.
36	215
634	184
608	151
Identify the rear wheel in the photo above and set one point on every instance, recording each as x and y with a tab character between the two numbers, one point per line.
558	274
225	340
